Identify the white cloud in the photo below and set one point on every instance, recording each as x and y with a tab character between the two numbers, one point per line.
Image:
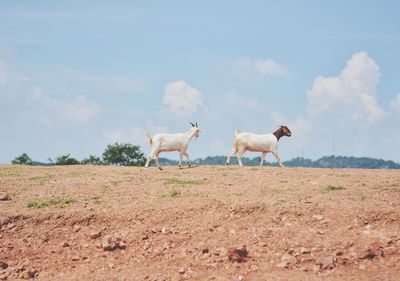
3	73
232	100
80	110
181	99
270	67
352	93
266	67
395	104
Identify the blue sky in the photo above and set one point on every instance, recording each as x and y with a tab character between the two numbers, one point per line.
78	75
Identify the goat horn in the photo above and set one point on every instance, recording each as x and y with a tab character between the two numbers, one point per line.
196	125
192	124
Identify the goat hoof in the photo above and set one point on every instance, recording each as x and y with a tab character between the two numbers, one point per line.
160	168
180	167
226	164
190	165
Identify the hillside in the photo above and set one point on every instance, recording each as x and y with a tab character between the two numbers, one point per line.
128	223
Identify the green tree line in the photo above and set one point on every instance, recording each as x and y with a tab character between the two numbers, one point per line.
131	155
119	154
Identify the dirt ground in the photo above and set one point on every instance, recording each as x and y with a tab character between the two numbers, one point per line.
129	223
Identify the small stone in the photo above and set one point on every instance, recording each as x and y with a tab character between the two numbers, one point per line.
110	243
65	244
205	251
287	261
76	228
75	258
237	255
318	217
181	270
239	278
320	232
28	274
326	263
95	234
3	265
4	196
304	250
163	230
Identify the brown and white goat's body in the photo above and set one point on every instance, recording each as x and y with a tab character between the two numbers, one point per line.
257	143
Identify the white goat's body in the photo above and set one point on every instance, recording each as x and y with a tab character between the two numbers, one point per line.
256	143
170	142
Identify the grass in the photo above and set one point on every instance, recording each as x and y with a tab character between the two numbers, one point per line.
78	173
94	199
393	186
10	174
334	187
236	194
362	196
276	190
40	203
171	193
41	179
183	182
341	175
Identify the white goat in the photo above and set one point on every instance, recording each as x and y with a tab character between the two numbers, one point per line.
171	142
260	143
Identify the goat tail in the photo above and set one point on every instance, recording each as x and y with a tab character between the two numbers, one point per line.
149	138
237	132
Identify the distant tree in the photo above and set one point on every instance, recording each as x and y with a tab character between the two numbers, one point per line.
23	159
123	154
65	160
92	160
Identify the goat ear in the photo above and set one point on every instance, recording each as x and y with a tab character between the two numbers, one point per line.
192	124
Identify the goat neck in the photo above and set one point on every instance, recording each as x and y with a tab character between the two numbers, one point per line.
279	133
190	134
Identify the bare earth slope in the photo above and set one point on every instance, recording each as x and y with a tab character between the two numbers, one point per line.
114	223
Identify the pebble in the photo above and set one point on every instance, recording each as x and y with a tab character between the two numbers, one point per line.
287	261
4	196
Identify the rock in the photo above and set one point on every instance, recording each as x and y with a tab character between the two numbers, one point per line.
304	250
4	196
237	255
321	232
287	261
385	241
110	243
163	230
95	234
318	217
76	228
3	265
181	270
28	274
75	258
390	250
370	253
239	278
362	267
65	244
325	262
